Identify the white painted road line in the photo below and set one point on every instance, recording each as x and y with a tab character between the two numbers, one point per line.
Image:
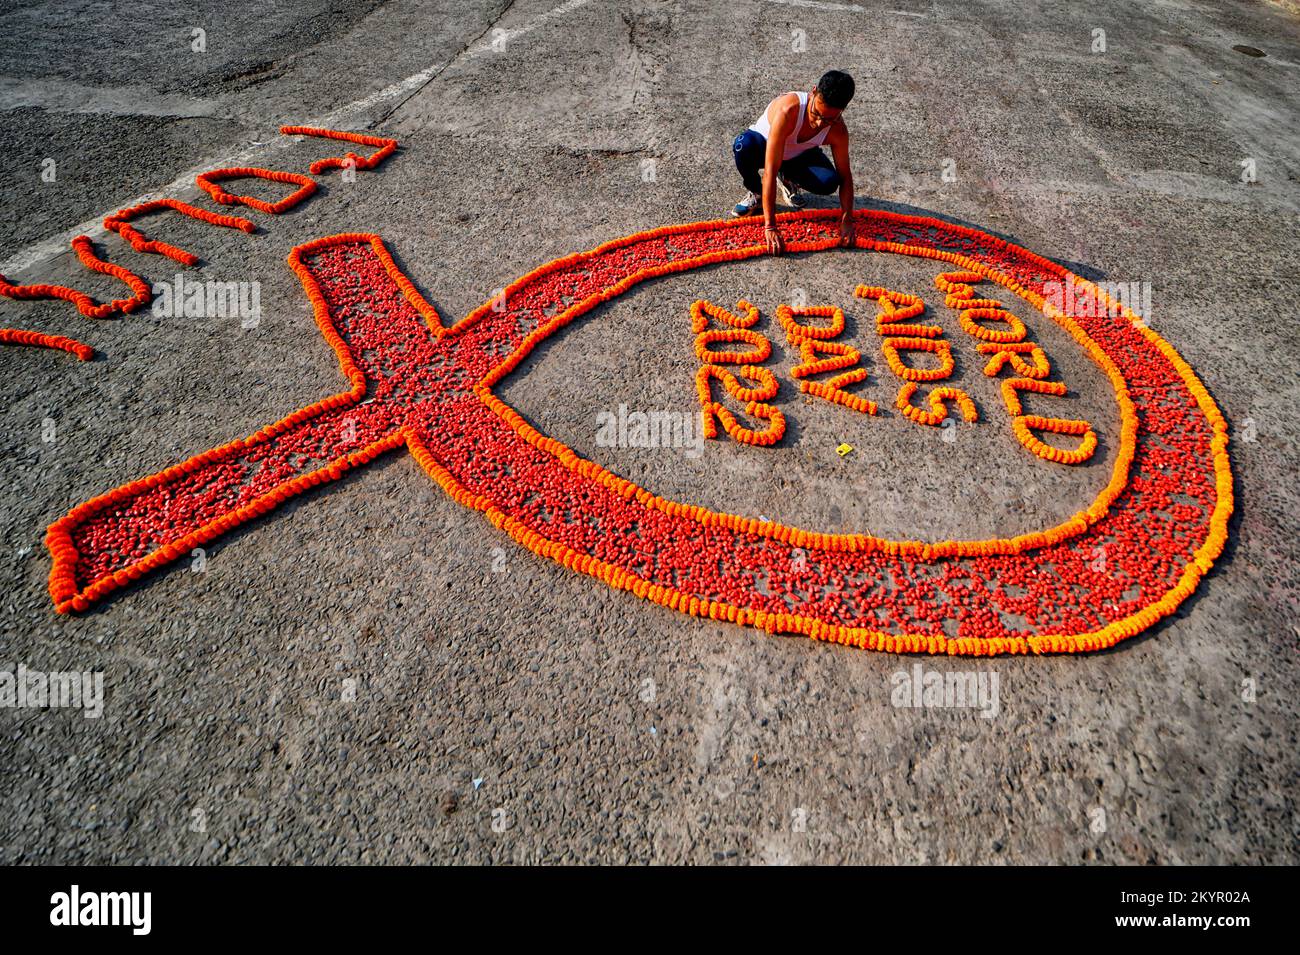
845	7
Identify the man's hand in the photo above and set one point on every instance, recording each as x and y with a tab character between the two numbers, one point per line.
846	230
775	245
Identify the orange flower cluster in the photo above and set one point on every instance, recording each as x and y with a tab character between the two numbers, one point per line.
814	340
940	347
702	311
58	538
711	367
208	182
762	347
766	389
796	331
386	148
1007	347
840	356
1021	423
831	391
971	310
1013	333
971	270
890	322
1011	351
18	336
938	409
890	318
959	292
118	222
1011	388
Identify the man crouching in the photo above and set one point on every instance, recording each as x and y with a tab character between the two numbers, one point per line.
782	150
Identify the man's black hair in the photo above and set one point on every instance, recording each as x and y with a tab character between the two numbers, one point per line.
836	89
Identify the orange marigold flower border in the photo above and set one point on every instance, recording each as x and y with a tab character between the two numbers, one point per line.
210	182
386	148
119	222
85	249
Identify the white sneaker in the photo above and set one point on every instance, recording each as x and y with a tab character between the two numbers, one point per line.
748	205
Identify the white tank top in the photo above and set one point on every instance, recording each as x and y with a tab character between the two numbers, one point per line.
792	147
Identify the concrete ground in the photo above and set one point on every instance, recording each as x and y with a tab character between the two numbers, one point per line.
506	709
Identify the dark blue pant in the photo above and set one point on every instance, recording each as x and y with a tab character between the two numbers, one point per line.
810	170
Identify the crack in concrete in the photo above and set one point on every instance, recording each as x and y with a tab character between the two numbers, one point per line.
442	69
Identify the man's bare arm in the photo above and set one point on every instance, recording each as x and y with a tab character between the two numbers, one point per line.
839	143
787	114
